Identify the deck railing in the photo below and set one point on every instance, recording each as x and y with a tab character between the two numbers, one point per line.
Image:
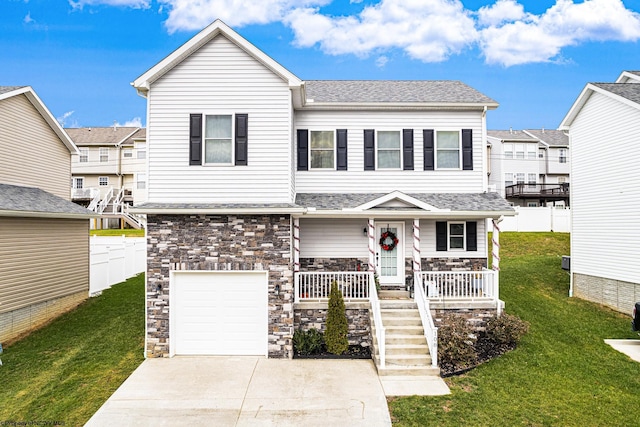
315	286
430	330
458	285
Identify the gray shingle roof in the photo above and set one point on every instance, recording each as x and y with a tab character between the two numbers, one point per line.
5	89
31	199
510	135
452	201
393	91
99	135
207	206
630	91
551	136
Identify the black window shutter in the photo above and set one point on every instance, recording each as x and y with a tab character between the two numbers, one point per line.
195	139
342	150
467	149
427	135
369	150
407	149
303	149
441	236
241	139
472	236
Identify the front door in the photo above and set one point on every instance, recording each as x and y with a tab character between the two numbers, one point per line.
389	254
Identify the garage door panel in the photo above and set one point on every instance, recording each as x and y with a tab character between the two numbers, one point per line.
219	313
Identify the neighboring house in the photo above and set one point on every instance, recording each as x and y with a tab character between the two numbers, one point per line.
44	237
530	167
603	124
264	188
109	173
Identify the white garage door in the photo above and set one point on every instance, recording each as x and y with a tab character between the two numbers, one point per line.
219	313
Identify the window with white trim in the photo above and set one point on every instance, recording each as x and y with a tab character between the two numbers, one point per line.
562	179
389	149
322	149
541	154
456	236
508	151
103	181
218	139
104	154
532	204
84	155
508	179
519	151
519	178
141	180
532	151
78	182
563	155
531	180
127	153
448	149
141	151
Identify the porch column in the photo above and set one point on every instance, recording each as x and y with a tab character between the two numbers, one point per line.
372	244
495	265
416	246
296	245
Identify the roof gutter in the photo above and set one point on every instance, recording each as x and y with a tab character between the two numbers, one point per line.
34	214
442	214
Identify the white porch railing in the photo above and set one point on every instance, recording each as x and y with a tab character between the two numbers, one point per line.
316	286
105	201
458	285
381	335
430	330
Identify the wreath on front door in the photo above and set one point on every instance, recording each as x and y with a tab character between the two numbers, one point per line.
388	241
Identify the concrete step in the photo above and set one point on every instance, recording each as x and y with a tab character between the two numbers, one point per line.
405	340
409	360
388	294
406	349
403	330
394	370
397	304
396	287
401	321
388	313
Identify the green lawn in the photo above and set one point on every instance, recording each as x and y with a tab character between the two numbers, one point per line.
67	370
561	374
129	232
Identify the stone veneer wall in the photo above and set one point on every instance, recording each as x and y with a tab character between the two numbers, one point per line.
334	264
476	317
219	242
452	264
311	316
616	294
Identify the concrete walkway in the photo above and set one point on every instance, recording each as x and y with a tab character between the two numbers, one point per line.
629	347
248	391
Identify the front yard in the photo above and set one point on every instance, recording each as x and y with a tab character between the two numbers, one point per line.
561	374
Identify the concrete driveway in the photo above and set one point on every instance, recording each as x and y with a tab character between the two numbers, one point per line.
247	391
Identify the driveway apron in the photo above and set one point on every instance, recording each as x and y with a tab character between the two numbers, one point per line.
247	391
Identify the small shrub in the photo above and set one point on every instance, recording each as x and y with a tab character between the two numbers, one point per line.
506	330
308	342
456	344
335	335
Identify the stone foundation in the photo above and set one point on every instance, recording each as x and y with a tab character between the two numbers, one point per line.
453	264
616	294
314	315
334	264
219	242
19	322
477	318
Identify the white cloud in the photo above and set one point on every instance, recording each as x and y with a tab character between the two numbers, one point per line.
541	38
134	4
135	122
430	31
196	14
28	19
381	61
63	119
501	11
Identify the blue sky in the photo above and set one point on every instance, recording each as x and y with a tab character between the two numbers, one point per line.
532	56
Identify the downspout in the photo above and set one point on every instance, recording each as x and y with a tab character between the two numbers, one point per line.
485	160
570	221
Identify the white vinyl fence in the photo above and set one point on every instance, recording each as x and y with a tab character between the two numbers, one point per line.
537	219
114	260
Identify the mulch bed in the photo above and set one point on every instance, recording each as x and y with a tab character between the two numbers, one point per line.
354	352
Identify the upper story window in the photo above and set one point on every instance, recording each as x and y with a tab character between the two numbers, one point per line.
508	179
78	182
322	149
519	151
520	178
104	154
389	150
218	137
532	151
127	153
141	181
563	155
541	154
508	151
447	149
84	155
103	181
142	151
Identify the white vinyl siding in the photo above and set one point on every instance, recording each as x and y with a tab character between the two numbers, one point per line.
220	78
345	238
31	154
42	259
605	238
356	179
